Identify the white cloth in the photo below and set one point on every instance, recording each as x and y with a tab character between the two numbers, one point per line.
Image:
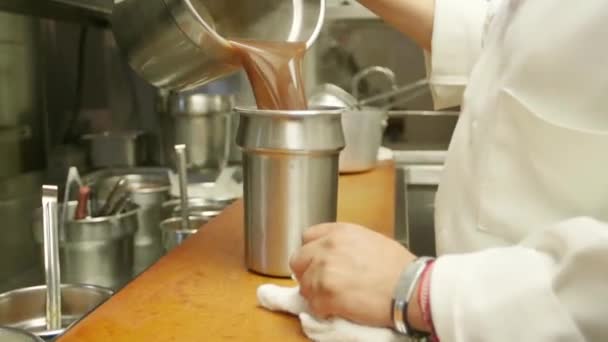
521	207
288	300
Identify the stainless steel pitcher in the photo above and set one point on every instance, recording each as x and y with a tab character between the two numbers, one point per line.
180	44
290	165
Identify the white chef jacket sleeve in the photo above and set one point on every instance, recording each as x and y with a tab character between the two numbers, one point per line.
456	44
551	287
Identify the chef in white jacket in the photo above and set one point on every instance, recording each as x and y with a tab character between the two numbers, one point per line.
522	208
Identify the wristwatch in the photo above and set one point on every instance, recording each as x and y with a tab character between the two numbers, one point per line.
403	296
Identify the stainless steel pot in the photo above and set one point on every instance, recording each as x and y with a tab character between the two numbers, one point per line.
96	251
116	149
149	190
179	44
290	165
25	308
174	234
202	123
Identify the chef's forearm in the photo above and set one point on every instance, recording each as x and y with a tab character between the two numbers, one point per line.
413	18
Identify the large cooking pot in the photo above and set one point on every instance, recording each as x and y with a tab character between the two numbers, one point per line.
180	44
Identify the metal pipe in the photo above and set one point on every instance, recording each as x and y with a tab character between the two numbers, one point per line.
182	173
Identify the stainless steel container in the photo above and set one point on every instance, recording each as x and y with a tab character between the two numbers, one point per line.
179	44
96	251
17	335
202	123
174	234
25	308
290	165
196	206
149	190
116	149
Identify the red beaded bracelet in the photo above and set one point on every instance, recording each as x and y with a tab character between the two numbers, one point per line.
424	299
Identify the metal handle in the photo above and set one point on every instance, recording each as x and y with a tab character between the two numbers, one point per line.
51	257
182	175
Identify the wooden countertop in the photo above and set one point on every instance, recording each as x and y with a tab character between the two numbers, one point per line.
202	291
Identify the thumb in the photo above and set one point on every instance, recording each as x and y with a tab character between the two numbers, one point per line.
284	299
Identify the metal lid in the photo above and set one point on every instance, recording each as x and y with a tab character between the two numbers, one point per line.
200	104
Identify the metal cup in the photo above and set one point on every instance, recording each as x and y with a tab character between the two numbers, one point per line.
96	251
290	165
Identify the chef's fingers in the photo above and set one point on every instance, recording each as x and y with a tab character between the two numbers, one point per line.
316	232
301	260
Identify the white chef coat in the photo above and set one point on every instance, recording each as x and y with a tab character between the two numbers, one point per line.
522	206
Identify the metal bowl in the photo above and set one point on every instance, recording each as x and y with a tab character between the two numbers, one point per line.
26	308
17	335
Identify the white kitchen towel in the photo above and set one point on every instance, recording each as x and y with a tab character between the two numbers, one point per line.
288	299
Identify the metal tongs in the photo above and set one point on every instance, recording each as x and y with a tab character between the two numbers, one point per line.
51	257
414	89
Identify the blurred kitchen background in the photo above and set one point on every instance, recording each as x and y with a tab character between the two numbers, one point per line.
64	86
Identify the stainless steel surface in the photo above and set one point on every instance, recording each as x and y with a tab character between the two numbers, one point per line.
17	335
51	256
171	208
202	123
174	233
25	308
290	167
182	176
97	251
116	149
235	156
149	190
176	44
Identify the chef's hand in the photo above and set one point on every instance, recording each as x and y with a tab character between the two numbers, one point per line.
349	271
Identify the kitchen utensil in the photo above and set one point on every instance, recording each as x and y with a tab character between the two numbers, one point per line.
180	44
182	173
17	335
96	250
25	308
116	195
82	209
72	182
201	122
149	188
116	149
290	165
174	233
51	257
